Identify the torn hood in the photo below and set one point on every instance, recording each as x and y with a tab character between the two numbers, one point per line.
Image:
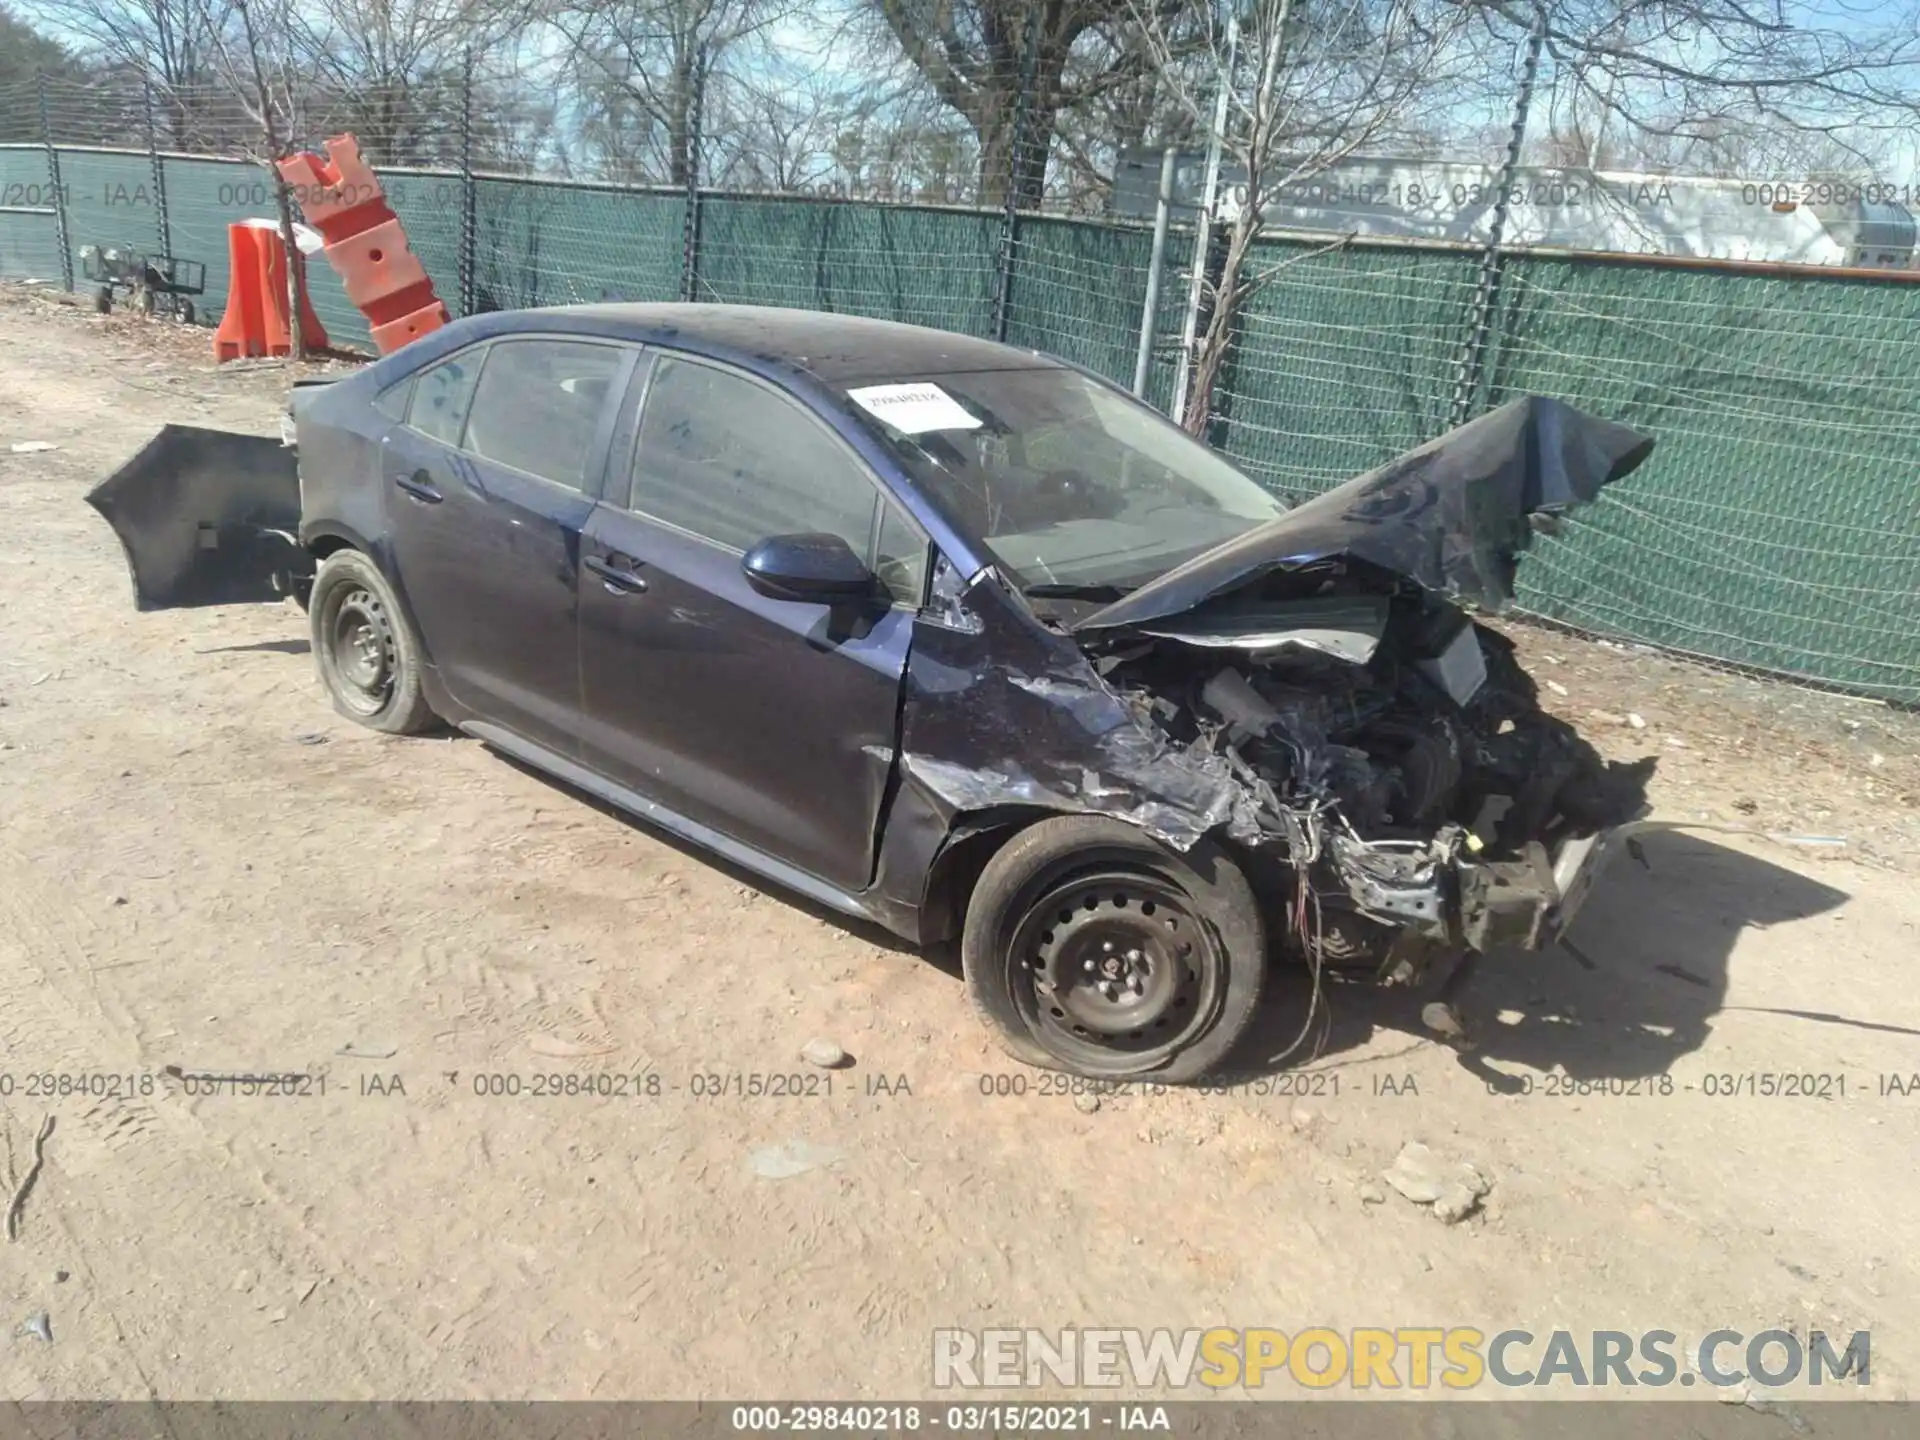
1453	515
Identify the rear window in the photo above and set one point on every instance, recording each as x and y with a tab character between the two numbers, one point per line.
538	405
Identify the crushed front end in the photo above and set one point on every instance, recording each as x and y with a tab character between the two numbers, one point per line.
1389	747
1396	760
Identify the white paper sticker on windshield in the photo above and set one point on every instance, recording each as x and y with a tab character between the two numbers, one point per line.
913	409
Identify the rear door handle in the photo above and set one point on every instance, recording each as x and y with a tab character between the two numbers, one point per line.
420	485
619	581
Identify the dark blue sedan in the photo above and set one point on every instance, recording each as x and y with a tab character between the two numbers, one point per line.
950	636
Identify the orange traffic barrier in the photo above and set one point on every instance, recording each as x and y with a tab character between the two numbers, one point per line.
255	322
365	243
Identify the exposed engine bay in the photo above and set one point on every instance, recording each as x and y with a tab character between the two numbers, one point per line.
1397	757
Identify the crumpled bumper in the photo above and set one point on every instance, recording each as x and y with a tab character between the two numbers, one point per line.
207	517
1530	903
1441	895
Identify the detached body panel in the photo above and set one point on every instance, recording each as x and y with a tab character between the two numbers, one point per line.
206	517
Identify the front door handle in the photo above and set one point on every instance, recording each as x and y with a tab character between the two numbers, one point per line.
619	581
420	485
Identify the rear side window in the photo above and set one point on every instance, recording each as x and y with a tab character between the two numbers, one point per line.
538	405
733	462
441	394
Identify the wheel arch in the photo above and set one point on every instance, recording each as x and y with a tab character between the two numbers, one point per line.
973	838
323	539
328	537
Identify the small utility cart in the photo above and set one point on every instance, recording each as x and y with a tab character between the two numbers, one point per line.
156	284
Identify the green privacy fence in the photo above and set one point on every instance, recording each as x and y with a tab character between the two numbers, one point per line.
1778	525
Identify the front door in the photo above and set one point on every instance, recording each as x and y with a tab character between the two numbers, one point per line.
489	485
771	721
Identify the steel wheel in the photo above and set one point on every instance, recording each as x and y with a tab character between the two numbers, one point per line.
361	654
1112	969
1091	947
366	650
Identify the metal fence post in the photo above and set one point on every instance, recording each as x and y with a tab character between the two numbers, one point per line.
469	209
59	190
1203	228
1150	307
1467	365
690	220
162	223
1010	213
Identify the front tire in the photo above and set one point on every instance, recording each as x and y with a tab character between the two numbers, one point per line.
368	655
1091	948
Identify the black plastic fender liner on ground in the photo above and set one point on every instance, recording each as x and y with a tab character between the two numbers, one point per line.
206	517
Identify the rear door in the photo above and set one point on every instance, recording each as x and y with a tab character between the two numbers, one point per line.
771	721
489	484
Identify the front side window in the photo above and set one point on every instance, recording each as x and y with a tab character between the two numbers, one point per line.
734	462
1070	486
441	394
538	406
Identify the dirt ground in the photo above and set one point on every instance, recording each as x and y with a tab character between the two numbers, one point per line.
202	867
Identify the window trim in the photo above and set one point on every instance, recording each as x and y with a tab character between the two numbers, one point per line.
593	480
640	392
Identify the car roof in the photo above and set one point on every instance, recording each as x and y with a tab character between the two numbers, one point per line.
835	349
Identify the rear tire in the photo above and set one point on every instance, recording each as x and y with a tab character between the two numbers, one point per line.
1089	947
368	655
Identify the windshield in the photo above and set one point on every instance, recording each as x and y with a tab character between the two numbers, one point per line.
1072	487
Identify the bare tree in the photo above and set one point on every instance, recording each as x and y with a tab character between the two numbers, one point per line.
1294	87
256	64
1714	84
171	44
642	65
774	132
26	53
1002	65
391	71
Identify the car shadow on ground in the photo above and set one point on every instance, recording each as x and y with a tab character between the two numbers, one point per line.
1637	988
1646	972
866	930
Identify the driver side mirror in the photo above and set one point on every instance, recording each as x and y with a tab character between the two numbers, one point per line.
820	569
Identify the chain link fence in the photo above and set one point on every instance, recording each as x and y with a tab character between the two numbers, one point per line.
1778	527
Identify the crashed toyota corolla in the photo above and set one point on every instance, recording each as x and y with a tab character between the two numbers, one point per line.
943	634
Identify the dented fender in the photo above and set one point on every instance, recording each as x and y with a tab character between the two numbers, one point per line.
1000	712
